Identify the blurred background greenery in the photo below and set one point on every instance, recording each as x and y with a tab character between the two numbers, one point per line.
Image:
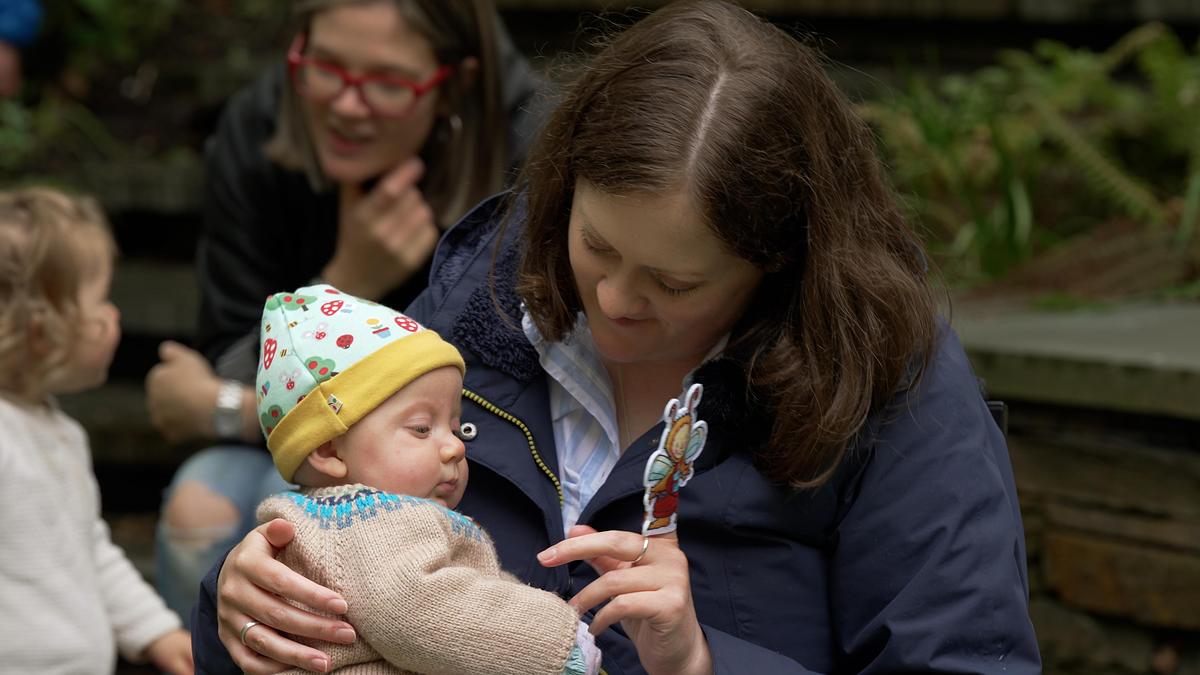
1000	162
1007	161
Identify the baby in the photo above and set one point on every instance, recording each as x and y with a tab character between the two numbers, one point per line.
70	597
360	406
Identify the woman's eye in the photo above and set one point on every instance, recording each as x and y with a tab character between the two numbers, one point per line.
675	287
596	248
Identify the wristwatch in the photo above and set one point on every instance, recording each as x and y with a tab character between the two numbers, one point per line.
227	416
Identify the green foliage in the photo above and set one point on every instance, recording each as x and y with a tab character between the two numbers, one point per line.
1004	161
258	10
97	60
1184	292
57	131
1175	79
16	134
96	32
50	126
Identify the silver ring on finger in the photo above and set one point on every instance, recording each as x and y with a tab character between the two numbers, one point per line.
645	547
245	629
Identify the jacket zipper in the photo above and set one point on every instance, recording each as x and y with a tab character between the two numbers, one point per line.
537	458
512	419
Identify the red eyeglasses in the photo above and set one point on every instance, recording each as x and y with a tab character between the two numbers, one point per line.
384	95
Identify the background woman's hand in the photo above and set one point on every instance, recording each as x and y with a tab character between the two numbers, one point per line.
181	393
384	236
652	599
250	587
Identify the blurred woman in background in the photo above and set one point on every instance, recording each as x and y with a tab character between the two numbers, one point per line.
388	121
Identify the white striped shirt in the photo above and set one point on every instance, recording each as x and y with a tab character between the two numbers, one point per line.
582	412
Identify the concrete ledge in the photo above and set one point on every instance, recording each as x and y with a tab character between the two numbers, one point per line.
1140	359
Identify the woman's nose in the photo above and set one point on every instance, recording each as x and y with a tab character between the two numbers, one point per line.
350	103
618	298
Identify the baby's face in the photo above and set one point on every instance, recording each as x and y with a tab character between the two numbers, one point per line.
409	444
100	331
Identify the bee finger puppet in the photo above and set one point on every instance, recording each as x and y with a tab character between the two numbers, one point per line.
670	466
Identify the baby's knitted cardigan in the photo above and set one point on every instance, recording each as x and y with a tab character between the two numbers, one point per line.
424	585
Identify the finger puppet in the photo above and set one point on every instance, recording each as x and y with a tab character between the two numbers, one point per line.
670	466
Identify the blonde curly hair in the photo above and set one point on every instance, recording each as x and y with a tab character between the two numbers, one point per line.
51	243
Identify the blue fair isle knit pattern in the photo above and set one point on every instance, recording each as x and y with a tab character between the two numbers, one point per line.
344	510
576	664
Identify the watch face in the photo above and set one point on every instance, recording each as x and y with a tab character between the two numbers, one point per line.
226	423
227	416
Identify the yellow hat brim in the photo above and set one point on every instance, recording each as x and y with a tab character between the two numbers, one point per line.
333	406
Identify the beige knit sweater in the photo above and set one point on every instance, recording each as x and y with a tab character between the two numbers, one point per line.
424	585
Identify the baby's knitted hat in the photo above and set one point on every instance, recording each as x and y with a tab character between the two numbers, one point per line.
327	359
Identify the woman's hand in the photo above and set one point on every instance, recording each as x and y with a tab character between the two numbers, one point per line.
652	598
383	236
172	653
181	393
250	587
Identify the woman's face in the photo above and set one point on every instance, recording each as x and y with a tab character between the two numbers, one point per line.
353	144
656	284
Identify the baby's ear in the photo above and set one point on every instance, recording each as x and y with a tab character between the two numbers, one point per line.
325	460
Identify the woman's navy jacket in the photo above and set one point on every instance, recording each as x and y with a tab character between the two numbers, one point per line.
912	559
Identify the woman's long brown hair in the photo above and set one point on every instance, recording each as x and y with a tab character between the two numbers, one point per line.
707	97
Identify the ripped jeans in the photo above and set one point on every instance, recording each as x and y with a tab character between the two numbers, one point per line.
245	475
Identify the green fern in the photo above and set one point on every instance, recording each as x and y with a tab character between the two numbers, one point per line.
1103	175
1005	160
1191	206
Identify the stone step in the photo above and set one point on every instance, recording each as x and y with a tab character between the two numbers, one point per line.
1105	445
156	298
119	426
167	185
1142	359
134	533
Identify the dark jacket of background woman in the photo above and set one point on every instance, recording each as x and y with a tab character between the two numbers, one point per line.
912	559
